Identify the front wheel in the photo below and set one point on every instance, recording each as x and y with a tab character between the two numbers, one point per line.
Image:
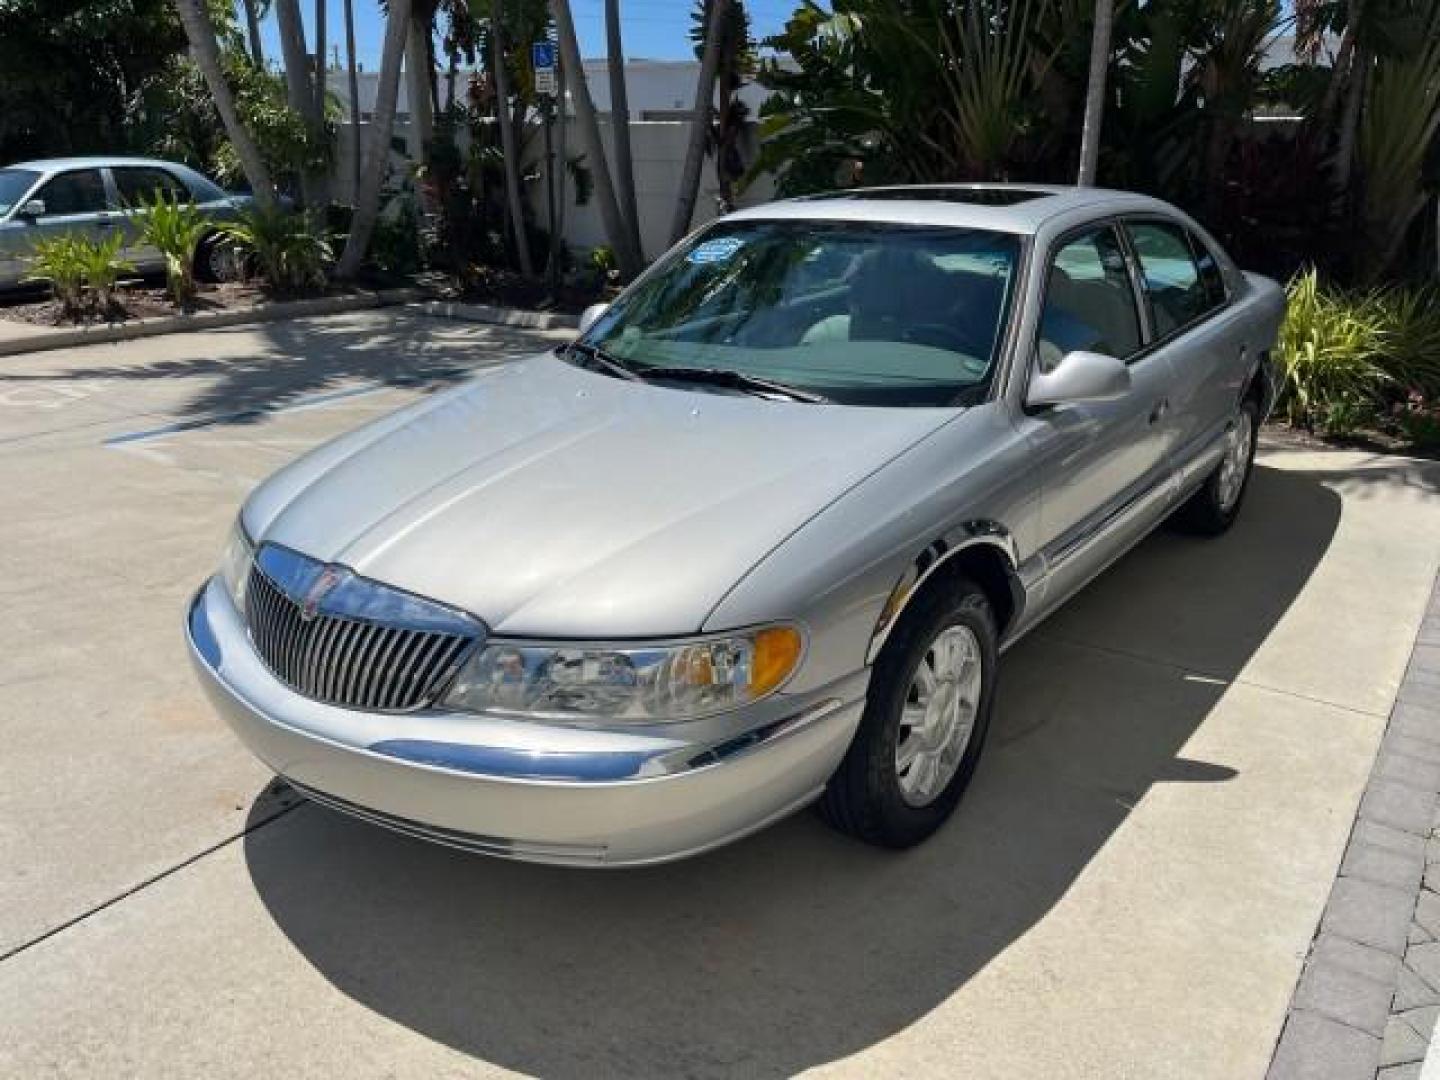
1214	507
924	724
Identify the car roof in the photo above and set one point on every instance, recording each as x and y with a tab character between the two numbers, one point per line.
92	162
1015	208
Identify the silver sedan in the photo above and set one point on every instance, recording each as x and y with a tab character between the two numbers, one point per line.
97	197
755	539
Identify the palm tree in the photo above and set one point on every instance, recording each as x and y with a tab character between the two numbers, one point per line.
620	121
377	157
508	141
255	10
626	255
1095	92
700	123
354	79
299	91
200	32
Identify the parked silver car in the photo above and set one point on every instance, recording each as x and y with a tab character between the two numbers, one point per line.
756	538
96	196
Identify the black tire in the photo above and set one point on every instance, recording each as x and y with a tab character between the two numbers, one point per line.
1207	513
205	252
864	797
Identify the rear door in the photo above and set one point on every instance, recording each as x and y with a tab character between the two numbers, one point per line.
136	185
1104	466
1196	329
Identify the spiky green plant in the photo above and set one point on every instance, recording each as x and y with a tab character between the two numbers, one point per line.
1329	354
102	266
290	250
1412	347
59	261
175	229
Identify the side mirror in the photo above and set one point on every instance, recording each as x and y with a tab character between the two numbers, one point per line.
32	209
590	314
1080	376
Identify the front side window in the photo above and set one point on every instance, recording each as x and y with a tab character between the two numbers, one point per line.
861	313
1089	300
137	185
1173	284
78	192
14	183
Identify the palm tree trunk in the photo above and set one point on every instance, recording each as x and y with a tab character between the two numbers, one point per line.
625	254
321	180
700	124
515	209
417	89
620	122
201	34
299	93
252	24
377	157
1095	92
561	165
1350	121
352	72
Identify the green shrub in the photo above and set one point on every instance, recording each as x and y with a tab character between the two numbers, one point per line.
80	272
1329	356
175	229
1412	347
290	251
1418	419
59	261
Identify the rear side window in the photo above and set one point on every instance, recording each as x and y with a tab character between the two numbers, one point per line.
78	192
1173	283
1089	301
141	184
1210	275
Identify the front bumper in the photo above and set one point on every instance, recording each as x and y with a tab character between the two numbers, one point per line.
528	791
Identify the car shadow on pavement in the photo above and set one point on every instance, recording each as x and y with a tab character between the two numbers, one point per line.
798	946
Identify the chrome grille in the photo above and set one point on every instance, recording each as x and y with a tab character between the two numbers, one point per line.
340	659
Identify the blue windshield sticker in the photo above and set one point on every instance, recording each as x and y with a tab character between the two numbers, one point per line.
715	251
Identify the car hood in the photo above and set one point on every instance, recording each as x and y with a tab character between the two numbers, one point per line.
550	500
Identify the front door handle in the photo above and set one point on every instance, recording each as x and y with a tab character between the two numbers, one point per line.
1158	412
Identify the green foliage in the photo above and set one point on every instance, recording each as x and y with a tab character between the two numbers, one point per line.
70	71
290	250
175	229
1348	357
395	243
81	272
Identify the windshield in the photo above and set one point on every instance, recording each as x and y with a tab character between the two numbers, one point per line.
862	313
14	183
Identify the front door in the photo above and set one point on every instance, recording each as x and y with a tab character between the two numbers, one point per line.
1103	466
75	202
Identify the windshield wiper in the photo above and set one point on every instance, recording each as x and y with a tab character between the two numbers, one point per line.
736	380
600	358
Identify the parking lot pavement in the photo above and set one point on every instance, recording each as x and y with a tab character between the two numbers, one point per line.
1128	890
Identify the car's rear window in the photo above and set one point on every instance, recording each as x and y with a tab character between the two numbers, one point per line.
864	313
14	183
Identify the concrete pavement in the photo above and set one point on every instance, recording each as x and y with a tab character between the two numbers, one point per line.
1129	889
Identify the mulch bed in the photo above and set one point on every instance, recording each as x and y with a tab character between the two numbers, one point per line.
133	301
1371	441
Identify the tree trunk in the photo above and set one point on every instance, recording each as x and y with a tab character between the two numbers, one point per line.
700	124
321	181
353	75
377	157
417	90
252	24
201	34
562	170
620	123
628	258
299	92
1095	92
514	206
1350	122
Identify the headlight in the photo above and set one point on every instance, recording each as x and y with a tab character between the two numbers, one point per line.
640	683
235	563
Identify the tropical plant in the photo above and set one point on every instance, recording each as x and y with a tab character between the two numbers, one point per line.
712	17
1329	355
1412	348
175	228
59	261
81	272
290	250
735	64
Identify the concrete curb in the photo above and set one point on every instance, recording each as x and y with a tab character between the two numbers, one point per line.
32	340
485	313
1369	994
